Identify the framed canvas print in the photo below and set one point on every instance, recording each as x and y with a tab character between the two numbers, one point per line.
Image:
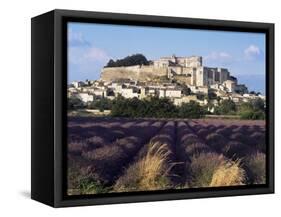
134	108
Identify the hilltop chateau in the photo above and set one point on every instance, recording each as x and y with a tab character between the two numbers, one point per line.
187	70
182	79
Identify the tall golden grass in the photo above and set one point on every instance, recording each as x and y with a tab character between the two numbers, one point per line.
211	169
228	174
148	173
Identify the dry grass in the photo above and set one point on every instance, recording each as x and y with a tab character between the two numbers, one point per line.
197	148
76	147
228	174
256	165
211	169
202	167
149	173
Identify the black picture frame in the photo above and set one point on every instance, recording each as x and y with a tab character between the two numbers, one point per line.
49	85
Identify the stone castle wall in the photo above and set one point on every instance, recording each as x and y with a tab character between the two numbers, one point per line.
183	79
139	73
195	76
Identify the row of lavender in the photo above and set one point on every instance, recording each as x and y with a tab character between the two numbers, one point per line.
97	152
137	155
222	155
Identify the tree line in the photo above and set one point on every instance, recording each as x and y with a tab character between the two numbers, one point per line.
136	59
252	110
155	107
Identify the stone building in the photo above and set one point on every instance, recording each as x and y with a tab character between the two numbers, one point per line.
170	93
193	61
191	71
230	85
85	97
187	70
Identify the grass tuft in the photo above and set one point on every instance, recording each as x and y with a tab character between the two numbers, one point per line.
149	173
256	165
212	169
228	174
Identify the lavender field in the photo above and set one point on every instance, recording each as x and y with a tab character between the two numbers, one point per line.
122	155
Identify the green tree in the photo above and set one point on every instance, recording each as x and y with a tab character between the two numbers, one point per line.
153	107
191	110
101	104
226	107
252	110
119	107
158	107
74	102
136	59
258	104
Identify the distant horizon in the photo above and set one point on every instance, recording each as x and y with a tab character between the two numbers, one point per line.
91	46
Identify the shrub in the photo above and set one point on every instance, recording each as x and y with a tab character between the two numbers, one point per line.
252	115
196	148
76	147
106	162
96	142
118	134
224	131
162	138
225	107
235	149
188	138
191	110
240	129
211	128
253	110
256	165
89	186
128	144
101	104
216	141
74	102
202	133
75	173
80	178
258	141
241	138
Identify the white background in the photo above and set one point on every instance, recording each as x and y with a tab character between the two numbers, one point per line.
15	106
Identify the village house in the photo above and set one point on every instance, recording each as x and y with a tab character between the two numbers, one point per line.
129	92
85	97
185	99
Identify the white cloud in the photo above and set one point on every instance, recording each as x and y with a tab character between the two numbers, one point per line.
80	56
253	52
86	61
76	39
219	56
81	51
85	55
95	54
218	59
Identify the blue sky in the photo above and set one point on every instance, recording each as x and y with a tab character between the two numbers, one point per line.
90	46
